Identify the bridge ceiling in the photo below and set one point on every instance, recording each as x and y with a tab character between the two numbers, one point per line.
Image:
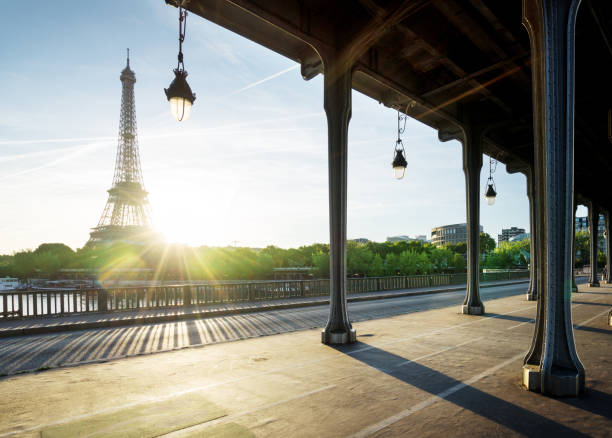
446	63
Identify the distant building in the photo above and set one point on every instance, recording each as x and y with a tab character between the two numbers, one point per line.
449	234
403	238
508	233
582	224
520	237
361	240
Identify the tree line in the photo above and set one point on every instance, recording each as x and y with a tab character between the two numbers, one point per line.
181	262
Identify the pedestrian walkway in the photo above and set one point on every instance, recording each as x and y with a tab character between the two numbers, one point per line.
51	324
430	373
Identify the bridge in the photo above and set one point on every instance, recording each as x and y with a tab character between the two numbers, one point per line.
419	367
525	82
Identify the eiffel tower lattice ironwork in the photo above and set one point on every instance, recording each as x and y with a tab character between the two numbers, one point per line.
126	216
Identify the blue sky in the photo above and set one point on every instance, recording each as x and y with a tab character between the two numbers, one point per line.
250	165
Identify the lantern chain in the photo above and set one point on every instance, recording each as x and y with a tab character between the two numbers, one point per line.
182	30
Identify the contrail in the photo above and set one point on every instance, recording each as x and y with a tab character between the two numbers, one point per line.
66	157
54	140
169	134
254	84
43	153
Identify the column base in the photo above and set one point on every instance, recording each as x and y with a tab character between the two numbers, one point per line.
531	378
530	297
564	383
561	383
339	338
594	284
472	310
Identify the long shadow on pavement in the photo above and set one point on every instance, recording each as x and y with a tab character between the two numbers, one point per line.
531	320
486	405
597	402
591	304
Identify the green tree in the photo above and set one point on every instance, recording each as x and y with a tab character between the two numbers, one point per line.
320	262
392	265
487	244
377	267
358	258
582	247
459	263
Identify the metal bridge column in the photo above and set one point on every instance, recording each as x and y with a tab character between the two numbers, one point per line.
532	291
337	102
472	163
593	238
574	285
552	365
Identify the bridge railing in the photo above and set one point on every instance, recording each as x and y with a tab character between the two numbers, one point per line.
63	302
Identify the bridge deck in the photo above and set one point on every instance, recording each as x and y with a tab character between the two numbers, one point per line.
431	373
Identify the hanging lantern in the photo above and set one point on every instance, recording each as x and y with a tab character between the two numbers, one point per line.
180	96
179	93
399	161
491	193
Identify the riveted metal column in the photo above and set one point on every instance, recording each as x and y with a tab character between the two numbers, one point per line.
608	278
532	290
574	285
472	163
337	102
608	248
552	365
593	238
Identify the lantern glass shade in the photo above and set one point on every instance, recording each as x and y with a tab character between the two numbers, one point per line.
180	108
398	172
399	164
490	195
180	96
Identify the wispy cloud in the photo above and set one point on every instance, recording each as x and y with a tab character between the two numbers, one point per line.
75	152
36	154
52	140
261	81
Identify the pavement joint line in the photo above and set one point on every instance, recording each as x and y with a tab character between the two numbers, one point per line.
247	412
583	323
238	379
370	430
434	353
520	324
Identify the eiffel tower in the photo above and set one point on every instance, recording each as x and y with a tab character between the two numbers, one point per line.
126	217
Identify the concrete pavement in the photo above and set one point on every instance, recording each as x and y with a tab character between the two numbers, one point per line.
36	352
429	373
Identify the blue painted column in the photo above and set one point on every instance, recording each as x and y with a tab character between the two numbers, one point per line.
552	365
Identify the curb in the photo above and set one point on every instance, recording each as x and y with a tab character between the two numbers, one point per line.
223	312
